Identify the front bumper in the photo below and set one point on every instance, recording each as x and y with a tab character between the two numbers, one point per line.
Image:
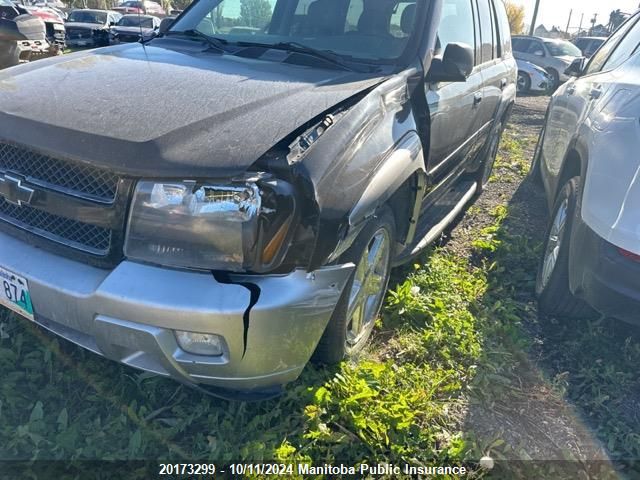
604	278
129	315
81	42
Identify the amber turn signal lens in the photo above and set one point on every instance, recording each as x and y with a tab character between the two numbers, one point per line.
275	244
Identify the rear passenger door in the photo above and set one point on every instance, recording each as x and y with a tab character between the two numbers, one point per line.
453	106
493	70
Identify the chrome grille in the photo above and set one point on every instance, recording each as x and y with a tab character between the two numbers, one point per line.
91	182
92	239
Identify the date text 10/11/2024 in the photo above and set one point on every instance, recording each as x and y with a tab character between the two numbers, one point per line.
306	469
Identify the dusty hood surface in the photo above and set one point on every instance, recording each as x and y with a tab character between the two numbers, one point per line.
193	112
85	26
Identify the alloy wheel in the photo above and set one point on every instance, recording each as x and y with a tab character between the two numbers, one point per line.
554	243
369	287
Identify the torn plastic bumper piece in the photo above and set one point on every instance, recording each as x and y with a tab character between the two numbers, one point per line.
130	314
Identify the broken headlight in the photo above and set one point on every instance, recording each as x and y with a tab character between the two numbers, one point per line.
240	226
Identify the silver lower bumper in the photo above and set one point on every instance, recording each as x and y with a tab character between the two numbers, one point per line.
129	315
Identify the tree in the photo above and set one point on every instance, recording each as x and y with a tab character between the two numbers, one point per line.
516	17
255	13
616	19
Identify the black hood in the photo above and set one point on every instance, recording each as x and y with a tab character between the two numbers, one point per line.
166	109
84	26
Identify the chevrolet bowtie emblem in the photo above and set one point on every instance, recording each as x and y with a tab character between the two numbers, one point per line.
13	191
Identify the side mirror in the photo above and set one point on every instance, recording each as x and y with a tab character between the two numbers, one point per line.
455	66
576	69
165	25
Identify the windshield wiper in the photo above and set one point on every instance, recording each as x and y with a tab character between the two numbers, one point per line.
326	55
216	43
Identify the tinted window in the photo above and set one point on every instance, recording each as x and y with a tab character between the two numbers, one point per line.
505	29
486	30
456	24
535	47
598	60
521	44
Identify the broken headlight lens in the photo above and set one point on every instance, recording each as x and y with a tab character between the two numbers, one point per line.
206	225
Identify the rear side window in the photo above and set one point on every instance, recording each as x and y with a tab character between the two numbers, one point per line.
504	28
486	50
457	24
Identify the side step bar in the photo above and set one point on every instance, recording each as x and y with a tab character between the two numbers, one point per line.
438	229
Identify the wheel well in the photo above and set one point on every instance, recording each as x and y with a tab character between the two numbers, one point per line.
572	168
401	204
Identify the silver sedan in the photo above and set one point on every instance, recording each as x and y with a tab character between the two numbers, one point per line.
533	79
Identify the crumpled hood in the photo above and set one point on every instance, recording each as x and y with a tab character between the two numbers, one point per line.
169	108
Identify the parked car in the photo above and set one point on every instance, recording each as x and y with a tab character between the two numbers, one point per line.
143	7
589	45
90	28
533	79
555	56
53	21
588	161
22	36
251	219
136	28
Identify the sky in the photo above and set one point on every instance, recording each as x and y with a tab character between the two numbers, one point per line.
556	12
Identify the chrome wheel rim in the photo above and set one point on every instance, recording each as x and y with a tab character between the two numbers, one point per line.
554	243
368	289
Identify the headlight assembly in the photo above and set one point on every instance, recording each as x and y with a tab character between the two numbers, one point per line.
241	226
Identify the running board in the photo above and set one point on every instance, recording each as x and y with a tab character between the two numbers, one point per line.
438	229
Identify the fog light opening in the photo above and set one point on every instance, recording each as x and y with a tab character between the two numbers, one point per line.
205	344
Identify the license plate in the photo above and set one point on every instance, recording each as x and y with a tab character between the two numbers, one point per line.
14	293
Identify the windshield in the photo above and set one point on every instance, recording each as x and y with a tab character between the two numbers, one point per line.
366	30
563	49
135	21
84	16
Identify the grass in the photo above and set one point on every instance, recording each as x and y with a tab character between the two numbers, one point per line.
455	334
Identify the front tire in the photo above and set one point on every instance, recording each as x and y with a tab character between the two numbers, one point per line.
355	315
552	283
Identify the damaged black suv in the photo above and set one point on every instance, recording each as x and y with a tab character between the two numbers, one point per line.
242	212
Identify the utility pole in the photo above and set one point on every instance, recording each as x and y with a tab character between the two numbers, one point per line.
593	23
535	18
569	22
580	27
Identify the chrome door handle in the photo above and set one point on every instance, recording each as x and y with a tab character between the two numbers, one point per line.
477	98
